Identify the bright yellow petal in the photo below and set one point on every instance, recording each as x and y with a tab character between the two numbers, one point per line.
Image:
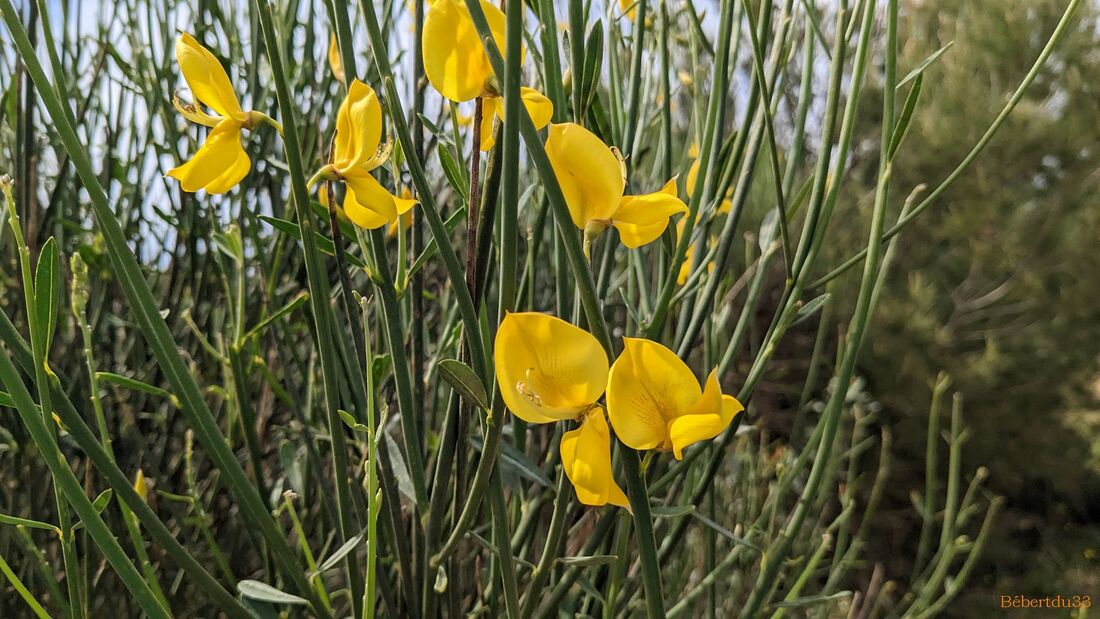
335	62
704	420
589	173
454	58
629	8
538	105
647	388
219	164
367	203
586	460
491	107
547	369
207	78
692	175
641	219
358	129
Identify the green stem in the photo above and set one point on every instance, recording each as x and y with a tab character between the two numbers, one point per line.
148	318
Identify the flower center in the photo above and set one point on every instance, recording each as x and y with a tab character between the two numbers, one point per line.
527	391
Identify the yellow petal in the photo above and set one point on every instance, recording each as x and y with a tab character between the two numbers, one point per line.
207	78
334	60
547	369
589	173
358	129
454	58
219	164
586	460
692	175
367	203
704	420
538	106
641	219
648	386
629	8
491	107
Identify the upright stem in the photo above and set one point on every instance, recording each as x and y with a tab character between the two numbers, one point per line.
473	204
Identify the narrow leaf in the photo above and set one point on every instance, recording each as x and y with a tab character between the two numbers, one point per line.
462	378
256	590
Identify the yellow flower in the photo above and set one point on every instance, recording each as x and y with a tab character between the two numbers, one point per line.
220	162
141	487
655	402
689	257
455	61
629	8
538	106
356	152
335	62
549	370
586	460
457	66
366	218
593	177
693	174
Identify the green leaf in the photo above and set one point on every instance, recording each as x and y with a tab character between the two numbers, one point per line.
933	57
30	524
230	244
517	462
593	62
256	590
350	421
672	511
901	128
594	560
135	385
101	501
400	470
323	242
810	309
452	171
338	555
381	366
812	600
47	296
463	379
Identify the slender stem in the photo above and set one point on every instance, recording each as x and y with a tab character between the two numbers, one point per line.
319	292
643	524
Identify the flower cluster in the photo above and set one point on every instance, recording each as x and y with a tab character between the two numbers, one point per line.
221	161
549	370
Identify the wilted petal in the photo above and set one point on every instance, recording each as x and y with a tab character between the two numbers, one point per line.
647	387
207	78
589	173
641	219
358	129
547	369
366	200
586	460
219	164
